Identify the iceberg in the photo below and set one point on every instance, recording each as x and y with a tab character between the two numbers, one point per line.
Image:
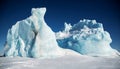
87	37
32	37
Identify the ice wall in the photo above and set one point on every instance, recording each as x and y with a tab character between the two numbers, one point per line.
32	37
86	37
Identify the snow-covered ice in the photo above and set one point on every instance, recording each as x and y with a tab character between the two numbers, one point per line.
66	62
32	37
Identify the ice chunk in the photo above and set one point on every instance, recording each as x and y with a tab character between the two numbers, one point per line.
32	37
88	38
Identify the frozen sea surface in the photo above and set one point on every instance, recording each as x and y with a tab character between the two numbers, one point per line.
65	62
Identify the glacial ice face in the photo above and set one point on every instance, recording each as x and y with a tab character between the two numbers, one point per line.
32	37
86	37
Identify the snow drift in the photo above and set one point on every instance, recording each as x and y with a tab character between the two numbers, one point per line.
32	37
86	37
65	62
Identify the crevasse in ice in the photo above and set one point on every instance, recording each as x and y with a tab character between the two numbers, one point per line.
32	37
86	37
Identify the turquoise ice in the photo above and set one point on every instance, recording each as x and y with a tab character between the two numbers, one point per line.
87	37
32	37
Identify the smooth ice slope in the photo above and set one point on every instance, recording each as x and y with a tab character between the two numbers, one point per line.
86	37
32	37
